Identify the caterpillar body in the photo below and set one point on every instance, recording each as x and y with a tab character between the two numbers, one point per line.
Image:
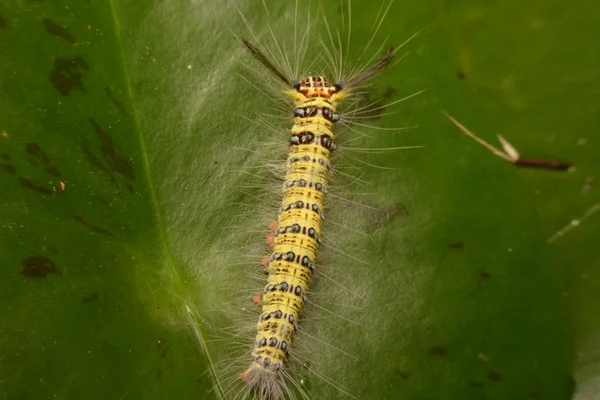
298	231
299	224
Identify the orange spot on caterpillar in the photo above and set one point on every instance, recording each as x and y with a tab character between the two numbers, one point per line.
257	299
271	240
244	375
265	261
271	237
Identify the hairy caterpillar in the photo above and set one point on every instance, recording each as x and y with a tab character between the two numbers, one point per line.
297	234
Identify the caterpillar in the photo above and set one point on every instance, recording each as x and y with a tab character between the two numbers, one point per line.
298	230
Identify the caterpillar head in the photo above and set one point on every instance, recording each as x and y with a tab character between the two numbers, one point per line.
316	86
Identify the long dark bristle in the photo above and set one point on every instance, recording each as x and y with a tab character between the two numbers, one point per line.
264	60
372	70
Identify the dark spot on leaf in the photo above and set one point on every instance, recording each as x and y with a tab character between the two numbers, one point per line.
437	351
8	168
4	156
458	245
162	347
384	215
92	227
461	75
139	86
390	92
477	384
403	374
92	157
2	22
35	150
90	297
110	151
65	75
116	102
159	374
372	108
484	274
103	201
30	185
39	267
494	376
57	30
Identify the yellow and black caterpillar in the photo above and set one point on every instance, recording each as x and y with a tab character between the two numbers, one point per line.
297	234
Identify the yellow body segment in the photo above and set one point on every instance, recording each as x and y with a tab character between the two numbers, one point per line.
299	223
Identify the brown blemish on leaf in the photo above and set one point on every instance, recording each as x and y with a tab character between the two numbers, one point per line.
373	108
4	156
109	149
477	384
38	267
2	22
484	274
390	92
437	351
403	374
8	168
57	30
460	75
93	228
494	376
382	216
116	102
35	150
65	75
89	298
30	185
85	147
458	245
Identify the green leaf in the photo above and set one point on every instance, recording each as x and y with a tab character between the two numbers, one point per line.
128	235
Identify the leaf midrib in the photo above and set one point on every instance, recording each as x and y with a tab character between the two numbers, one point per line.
157	210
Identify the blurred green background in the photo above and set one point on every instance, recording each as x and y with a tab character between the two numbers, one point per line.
122	136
